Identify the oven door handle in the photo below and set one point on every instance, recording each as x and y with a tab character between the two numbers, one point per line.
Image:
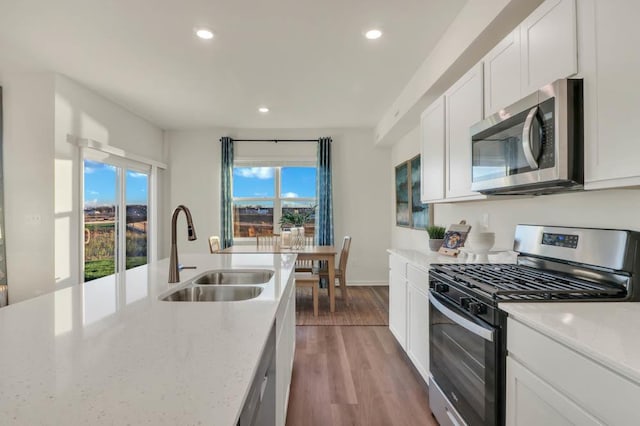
460	320
526	139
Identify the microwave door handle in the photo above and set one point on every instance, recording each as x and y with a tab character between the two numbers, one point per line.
461	321
526	139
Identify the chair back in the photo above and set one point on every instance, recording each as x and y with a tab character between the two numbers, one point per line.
344	255
214	243
270	240
306	265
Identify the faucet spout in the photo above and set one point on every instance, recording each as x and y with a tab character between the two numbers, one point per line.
174	271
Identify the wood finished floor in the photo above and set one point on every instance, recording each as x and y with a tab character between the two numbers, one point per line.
369	305
354	375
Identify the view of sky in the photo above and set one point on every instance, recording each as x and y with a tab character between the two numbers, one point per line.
255	182
100	182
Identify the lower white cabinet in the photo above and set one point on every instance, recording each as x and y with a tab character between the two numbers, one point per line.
532	402
549	383
409	311
285	349
418	329
398	307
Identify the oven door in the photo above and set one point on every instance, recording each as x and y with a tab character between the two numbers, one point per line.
464	362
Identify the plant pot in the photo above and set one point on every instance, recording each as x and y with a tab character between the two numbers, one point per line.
435	245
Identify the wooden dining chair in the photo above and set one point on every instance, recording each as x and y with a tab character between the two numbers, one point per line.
214	243
341	270
308	280
269	240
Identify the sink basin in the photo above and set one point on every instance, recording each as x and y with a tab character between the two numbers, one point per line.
234	277
213	294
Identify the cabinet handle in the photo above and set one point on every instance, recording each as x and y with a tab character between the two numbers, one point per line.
452	417
263	387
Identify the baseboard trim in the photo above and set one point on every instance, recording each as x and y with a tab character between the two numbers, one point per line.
367	283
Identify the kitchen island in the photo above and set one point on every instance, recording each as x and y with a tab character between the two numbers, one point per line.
110	352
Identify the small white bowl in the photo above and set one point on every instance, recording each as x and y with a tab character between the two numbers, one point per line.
481	242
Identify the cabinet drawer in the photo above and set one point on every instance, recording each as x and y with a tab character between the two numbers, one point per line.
611	397
418	278
398	265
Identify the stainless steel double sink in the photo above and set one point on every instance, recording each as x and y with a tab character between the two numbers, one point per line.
221	285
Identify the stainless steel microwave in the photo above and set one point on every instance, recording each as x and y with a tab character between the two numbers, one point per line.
533	146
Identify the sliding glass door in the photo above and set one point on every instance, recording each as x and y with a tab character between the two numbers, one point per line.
116	199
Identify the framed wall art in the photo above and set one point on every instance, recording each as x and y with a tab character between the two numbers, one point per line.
410	212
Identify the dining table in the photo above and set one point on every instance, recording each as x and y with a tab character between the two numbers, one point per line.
313	253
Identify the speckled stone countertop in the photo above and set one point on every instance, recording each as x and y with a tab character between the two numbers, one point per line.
110	352
423	260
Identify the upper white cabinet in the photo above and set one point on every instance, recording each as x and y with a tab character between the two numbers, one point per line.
610	65
542	49
464	108
432	152
502	74
549	44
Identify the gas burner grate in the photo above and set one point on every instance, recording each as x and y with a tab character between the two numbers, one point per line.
504	282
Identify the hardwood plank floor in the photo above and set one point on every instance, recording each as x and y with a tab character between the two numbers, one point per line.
354	375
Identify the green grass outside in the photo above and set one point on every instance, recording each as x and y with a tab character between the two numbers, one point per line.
100	268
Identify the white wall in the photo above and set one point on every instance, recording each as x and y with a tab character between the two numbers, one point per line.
84	114
28	183
600	209
361	188
41	173
401	237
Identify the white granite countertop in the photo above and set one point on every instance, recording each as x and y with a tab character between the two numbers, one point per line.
110	352
607	332
423	260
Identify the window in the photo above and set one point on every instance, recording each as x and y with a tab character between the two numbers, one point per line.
116	198
261	195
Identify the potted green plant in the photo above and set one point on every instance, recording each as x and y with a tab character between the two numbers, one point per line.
436	236
295	218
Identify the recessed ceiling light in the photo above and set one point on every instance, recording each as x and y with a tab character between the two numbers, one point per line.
204	34
373	34
263	110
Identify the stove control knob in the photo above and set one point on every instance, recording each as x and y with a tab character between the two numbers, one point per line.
477	308
464	302
441	288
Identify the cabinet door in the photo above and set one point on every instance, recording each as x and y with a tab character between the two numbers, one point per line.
549	44
398	307
502	74
285	350
533	402
463	105
611	96
432	152
418	329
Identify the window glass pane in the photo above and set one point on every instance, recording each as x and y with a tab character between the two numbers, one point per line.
137	197
100	189
300	210
298	182
253	182
251	218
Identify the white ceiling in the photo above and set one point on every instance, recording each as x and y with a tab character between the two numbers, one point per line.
307	60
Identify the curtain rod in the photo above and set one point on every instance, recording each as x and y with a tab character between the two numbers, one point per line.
274	140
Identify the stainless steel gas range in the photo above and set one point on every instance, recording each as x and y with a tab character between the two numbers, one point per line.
468	329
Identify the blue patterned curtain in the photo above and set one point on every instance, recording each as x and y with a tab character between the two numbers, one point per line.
226	196
324	213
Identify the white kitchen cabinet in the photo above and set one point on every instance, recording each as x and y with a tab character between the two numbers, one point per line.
532	402
548	380
464	108
608	35
398	301
549	44
418	329
432	145
285	349
502	85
